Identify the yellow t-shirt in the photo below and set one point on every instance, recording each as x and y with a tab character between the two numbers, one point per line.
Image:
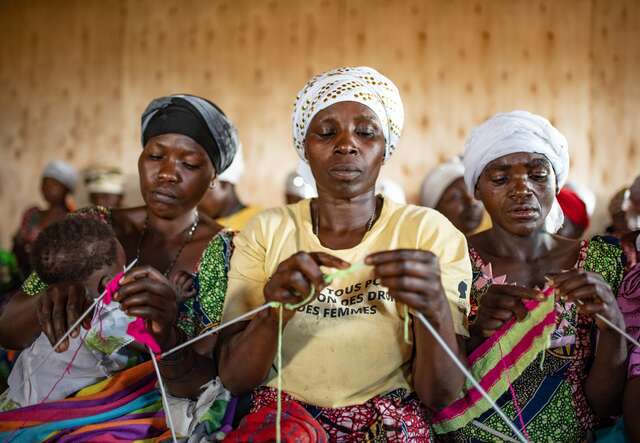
346	346
238	221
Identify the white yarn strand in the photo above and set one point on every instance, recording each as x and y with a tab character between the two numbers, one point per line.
165	400
216	329
493	432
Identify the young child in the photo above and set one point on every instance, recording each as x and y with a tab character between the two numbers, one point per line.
76	249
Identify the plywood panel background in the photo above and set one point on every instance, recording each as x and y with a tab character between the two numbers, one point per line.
76	75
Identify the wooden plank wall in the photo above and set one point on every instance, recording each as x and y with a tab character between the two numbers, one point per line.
76	75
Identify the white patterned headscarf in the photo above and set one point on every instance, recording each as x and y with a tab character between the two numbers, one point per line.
518	131
363	85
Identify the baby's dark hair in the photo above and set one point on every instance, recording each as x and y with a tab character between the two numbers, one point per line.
72	249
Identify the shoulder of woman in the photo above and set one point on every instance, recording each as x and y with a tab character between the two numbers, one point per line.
30	215
219	248
127	220
31	210
419	214
269	220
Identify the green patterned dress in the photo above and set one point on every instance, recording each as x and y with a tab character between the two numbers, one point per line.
550	391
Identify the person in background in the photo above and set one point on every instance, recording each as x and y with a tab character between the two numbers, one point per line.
631	205
222	203
296	188
578	204
443	189
105	187
58	182
618	204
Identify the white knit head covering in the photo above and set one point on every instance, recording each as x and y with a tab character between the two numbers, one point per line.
363	85
62	172
297	185
235	170
439	179
518	131
391	190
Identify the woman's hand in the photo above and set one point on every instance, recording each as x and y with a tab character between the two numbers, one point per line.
59	308
413	277
183	283
144	292
296	276
591	293
499	304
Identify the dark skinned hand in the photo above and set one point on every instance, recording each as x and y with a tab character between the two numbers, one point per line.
59	308
146	293
499	304
590	292
413	278
183	283
294	277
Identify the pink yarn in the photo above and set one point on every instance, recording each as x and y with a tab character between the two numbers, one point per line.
139	332
112	288
516	405
137	329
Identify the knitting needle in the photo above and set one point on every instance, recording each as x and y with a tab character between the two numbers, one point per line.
165	399
216	329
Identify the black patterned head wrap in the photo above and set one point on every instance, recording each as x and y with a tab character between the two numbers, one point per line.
196	118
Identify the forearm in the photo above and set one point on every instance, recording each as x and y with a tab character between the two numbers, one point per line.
19	324
605	384
437	380
187	372
246	356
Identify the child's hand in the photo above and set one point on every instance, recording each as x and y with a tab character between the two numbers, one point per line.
183	282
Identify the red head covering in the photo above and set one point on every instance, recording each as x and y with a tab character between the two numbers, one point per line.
574	208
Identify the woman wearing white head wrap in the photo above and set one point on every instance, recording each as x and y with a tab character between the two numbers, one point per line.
59	179
62	172
515	163
444	190
518	131
346	122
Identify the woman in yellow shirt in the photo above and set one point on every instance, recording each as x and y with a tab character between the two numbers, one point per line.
347	369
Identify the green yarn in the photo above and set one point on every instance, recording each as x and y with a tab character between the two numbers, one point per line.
328	279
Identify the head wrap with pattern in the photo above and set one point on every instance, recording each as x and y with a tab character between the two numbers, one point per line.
359	84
